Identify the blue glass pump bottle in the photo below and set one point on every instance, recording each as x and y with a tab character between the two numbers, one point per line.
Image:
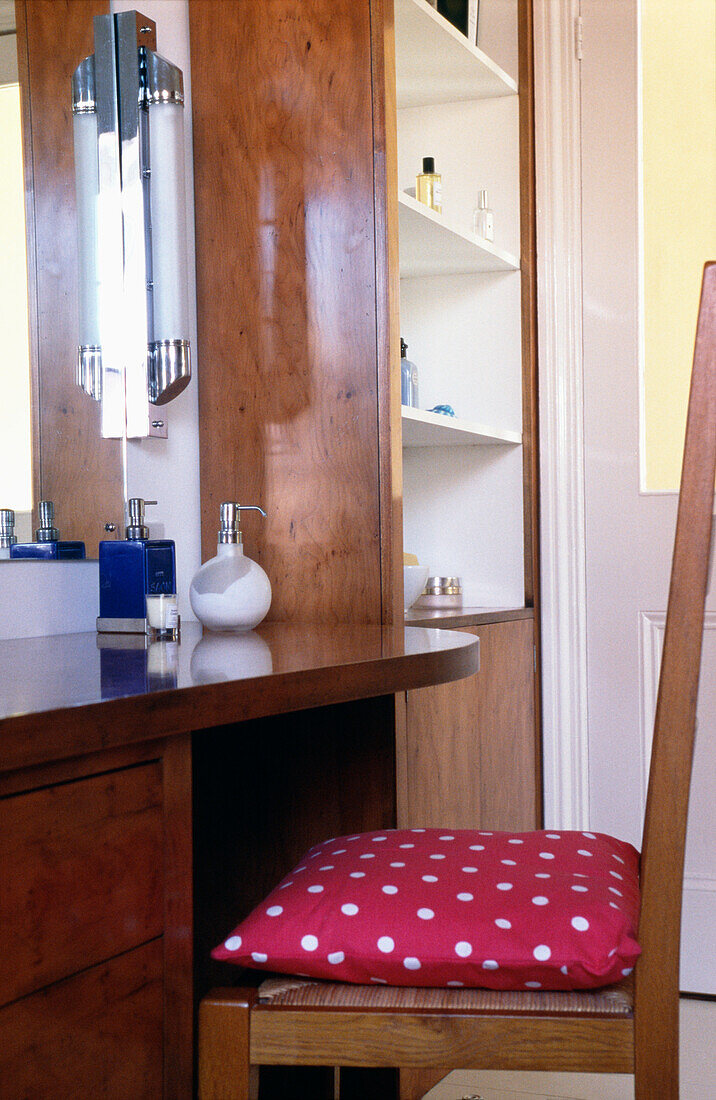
131	569
48	545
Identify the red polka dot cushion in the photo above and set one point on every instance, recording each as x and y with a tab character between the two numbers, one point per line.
541	910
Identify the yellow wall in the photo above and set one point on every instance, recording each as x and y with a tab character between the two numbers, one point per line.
679	162
15	450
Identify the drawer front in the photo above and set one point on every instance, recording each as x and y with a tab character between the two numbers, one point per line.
82	875
97	1034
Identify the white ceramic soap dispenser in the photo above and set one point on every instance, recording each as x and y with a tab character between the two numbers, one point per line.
231	592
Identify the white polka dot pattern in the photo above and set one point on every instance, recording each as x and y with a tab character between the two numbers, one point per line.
378	912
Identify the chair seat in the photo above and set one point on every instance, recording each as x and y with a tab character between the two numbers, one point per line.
297	993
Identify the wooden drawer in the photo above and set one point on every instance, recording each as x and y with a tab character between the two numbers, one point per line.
82	876
97	1034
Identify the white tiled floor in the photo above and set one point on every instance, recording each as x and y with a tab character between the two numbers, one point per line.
697	1060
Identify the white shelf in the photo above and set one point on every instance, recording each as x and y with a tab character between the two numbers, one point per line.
435	63
430	245
426	429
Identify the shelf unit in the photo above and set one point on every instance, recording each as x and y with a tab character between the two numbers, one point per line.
461	305
436	64
431	245
428	429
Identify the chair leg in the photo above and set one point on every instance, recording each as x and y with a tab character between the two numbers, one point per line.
414	1083
656	1053
224	1026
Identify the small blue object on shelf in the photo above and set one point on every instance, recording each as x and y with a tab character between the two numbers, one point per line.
47	544
444	410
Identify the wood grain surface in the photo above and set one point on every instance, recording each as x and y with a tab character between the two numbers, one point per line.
78	470
304	666
662	863
509	769
390	458
471	751
224	1046
530	364
387	1038
97	1034
528	292
286	295
81	875
178	921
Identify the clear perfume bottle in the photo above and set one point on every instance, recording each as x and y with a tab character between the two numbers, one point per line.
408	378
405	366
483	224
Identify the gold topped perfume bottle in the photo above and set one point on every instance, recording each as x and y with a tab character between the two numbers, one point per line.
429	186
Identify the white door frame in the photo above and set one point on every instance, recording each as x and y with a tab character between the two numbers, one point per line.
562	475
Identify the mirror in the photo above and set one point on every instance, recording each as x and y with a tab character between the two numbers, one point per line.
57	441
16	488
89	478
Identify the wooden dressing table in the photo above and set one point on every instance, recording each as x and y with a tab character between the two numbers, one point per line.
149	796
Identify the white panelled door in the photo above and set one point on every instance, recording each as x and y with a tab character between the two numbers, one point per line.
629	533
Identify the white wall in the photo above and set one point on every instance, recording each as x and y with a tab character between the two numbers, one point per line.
8	59
48	597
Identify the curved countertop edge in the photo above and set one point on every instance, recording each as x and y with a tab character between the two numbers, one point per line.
43	736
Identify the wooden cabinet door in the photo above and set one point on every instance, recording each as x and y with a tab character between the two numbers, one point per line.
470	748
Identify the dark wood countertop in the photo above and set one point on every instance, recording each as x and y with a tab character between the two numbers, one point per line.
66	695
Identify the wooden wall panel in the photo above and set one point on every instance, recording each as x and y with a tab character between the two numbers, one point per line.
443	754
286	294
79	470
528	292
390	457
471	747
509	743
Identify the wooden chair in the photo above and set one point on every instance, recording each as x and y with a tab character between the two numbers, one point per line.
631	1028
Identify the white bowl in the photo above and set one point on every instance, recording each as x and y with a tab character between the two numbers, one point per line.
414	578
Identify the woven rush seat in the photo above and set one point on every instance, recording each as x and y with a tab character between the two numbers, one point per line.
299	993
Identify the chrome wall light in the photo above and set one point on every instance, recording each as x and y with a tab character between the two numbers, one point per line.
128	106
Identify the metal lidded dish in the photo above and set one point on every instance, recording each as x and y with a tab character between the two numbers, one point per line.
441	592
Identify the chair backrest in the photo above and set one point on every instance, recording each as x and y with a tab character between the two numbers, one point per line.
672	749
